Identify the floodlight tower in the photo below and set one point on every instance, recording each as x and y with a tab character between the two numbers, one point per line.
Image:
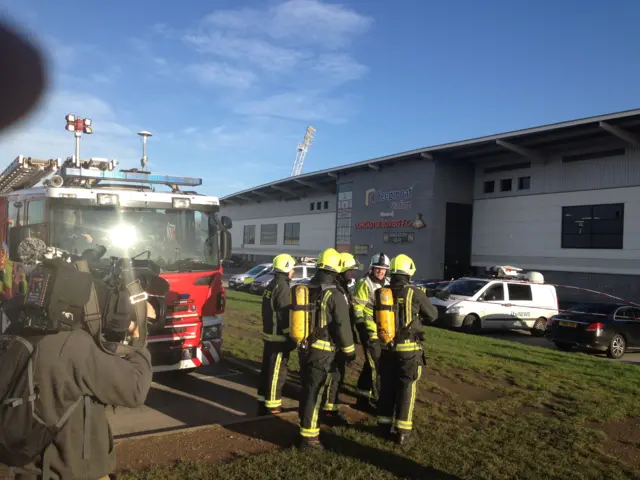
78	126
144	134
302	151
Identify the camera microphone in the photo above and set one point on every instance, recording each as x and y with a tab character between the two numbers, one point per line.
31	250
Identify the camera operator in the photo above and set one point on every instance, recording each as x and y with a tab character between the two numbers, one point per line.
74	380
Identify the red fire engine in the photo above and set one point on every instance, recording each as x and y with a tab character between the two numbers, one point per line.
85	203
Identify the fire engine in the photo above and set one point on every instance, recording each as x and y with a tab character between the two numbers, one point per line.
78	204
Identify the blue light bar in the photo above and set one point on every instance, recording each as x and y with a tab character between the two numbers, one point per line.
86	174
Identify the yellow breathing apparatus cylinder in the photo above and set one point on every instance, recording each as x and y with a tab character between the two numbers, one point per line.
300	313
385	315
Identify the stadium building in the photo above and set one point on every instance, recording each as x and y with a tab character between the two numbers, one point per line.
563	199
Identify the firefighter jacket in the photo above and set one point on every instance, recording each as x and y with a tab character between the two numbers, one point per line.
275	309
364	297
413	306
332	327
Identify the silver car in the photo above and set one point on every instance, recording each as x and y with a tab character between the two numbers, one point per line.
301	273
243	281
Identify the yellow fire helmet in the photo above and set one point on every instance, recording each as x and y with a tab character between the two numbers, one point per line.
349	262
330	260
283	263
402	265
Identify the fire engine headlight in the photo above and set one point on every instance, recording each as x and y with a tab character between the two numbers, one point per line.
181	202
107	199
123	236
212	332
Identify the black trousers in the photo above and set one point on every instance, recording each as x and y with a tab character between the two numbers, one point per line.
275	358
315	373
336	381
368	384
399	375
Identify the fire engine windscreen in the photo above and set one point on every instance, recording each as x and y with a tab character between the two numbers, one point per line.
178	240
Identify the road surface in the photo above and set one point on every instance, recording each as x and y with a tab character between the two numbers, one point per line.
218	394
526	338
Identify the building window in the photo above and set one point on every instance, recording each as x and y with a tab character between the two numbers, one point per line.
292	233
269	234
593	226
519	292
524	183
489	187
505	185
311	205
249	235
318	205
326	205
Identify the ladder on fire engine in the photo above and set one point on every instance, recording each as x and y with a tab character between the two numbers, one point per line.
25	172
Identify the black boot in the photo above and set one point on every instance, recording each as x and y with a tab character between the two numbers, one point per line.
402	437
364	405
310	443
384	431
262	409
335	419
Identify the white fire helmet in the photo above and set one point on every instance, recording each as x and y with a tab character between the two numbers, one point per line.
380	260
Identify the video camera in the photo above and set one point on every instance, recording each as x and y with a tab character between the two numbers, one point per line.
68	291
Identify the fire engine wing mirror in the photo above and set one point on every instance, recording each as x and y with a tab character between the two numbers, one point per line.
16	235
226	221
225	245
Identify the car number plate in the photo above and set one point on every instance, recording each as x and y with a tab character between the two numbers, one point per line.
568	324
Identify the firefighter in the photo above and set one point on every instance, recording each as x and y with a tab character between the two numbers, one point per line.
330	333
367	386
402	359
331	414
275	329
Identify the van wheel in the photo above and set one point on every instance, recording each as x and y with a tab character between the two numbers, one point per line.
471	324
539	327
617	346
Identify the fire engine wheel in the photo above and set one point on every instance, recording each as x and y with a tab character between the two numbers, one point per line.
539	327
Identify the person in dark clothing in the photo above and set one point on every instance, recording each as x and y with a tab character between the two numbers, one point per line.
275	328
331	414
402	359
70	365
330	333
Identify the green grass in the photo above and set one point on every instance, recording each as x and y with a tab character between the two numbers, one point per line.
535	423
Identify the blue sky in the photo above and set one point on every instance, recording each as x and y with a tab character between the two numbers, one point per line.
228	87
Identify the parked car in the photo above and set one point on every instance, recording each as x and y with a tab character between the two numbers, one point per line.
300	272
613	328
305	281
243	281
497	303
432	286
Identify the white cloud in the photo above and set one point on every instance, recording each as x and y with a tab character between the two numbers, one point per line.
221	75
302	106
43	134
247	50
296	45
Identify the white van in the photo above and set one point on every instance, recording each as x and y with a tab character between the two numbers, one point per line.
507	300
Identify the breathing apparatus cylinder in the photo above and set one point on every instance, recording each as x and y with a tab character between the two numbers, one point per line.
385	315
300	313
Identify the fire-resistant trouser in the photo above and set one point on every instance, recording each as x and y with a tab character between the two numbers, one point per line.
275	357
315	381
399	375
368	383
336	381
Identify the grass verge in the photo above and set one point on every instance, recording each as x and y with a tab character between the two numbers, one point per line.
486	408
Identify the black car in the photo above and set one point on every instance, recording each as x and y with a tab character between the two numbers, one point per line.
613	328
